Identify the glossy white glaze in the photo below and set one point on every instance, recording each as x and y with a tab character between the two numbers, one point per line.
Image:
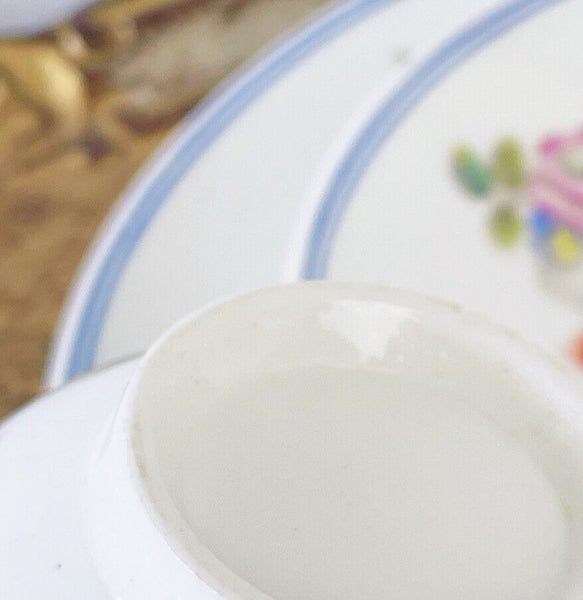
45	454
329	483
485	435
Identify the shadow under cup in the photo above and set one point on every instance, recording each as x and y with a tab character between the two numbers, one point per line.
331	441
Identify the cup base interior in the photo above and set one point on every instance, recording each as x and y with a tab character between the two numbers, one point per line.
333	445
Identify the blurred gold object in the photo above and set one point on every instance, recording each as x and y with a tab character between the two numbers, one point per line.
107	30
44	105
121	68
81	107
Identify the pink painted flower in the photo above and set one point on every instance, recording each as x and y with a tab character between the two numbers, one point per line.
556	185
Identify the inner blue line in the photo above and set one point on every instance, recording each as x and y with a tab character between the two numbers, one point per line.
387	118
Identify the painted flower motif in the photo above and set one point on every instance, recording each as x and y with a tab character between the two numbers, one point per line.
576	349
556	192
545	199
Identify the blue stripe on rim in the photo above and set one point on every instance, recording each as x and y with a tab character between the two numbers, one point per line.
386	119
209	122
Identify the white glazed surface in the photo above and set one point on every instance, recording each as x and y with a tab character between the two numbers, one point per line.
338	483
163	474
45	452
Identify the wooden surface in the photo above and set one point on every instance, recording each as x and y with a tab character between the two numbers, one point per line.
68	146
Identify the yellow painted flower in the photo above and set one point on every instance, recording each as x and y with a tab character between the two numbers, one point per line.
566	246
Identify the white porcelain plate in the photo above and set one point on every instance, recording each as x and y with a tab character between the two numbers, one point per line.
272	180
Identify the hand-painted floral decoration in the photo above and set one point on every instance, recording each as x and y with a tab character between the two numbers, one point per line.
576	349
544	198
547	198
